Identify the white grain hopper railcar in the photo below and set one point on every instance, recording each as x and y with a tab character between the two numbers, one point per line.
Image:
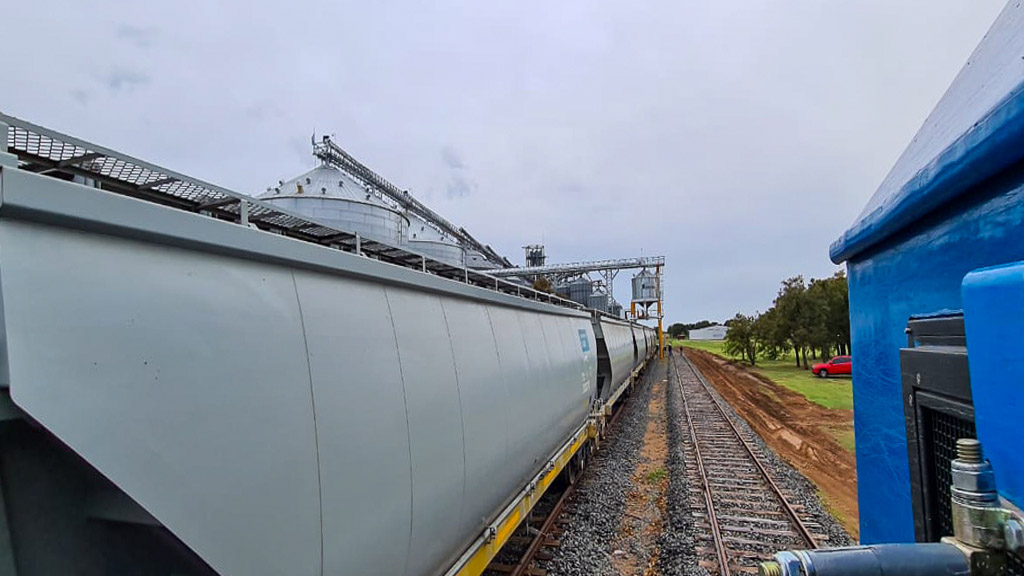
180	394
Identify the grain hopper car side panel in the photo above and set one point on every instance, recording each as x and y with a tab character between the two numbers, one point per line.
181	379
259	396
619	340
435	424
518	378
566	387
485	411
357	384
637	344
542	407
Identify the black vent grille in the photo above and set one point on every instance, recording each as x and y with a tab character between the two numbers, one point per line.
1015	566
939	411
941	433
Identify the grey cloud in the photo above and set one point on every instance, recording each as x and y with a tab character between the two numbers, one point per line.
738	143
458	187
298	148
139	36
81	96
125	79
263	111
452	158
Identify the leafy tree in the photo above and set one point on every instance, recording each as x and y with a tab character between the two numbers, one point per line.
542	284
795	316
828	320
677	330
701	324
837	312
820	337
809	318
741	340
772	339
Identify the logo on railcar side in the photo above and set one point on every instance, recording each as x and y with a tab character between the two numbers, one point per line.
585	346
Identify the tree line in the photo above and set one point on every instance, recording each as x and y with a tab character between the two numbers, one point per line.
680	330
809	318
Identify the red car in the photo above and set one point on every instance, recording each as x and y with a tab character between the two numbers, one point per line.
837	365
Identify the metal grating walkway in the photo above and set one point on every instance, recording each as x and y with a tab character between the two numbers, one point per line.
46	151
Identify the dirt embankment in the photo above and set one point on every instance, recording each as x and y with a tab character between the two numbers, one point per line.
797	429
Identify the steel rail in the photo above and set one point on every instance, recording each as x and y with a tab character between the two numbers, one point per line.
523	565
805	533
720	549
723	557
542	533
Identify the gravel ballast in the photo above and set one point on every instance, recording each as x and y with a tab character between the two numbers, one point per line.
798	489
678	555
593	516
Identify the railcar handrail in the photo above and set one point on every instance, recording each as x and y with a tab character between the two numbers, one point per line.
45	151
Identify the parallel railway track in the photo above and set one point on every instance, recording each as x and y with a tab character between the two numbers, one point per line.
529	549
742	515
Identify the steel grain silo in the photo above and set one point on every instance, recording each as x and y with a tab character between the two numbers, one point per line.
425	239
331	196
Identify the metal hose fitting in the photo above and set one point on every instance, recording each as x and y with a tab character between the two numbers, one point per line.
889	559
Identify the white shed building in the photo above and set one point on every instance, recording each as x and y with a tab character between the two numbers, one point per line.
709	333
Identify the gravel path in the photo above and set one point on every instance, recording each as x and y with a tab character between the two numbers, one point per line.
593	516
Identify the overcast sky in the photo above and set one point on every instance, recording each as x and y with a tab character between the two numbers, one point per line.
737	139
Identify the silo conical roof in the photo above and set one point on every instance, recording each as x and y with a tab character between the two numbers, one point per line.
325	182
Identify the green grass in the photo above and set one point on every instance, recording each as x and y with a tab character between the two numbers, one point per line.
833	510
845	438
656	476
834	393
713	346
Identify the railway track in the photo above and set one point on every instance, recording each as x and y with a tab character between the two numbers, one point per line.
531	546
741	515
528	551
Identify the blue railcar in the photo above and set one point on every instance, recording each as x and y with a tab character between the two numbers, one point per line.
936	341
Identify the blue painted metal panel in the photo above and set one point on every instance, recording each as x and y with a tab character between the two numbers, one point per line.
919	274
951	204
975	131
994	320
